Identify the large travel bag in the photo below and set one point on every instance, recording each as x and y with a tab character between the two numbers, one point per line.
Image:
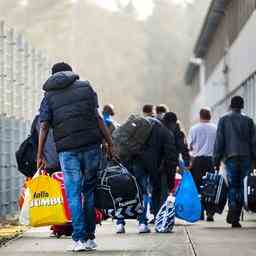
250	193
116	189
214	193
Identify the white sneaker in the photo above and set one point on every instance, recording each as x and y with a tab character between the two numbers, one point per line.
120	229
143	229
90	245
77	246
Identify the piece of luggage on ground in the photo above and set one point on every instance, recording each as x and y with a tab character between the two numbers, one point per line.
214	193
130	137
62	230
187	203
67	229
116	188
27	153
250	193
165	218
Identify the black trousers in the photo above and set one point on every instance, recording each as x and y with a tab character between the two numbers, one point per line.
200	166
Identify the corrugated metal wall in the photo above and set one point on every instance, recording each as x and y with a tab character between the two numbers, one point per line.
22	72
247	90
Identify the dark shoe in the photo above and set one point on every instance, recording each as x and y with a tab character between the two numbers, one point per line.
236	225
209	219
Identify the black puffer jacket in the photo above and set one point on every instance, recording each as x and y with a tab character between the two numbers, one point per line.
73	105
235	137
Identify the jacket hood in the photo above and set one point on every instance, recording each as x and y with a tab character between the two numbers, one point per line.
60	81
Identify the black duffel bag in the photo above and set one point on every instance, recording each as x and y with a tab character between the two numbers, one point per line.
116	188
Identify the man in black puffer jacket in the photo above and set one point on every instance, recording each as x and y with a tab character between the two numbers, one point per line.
70	108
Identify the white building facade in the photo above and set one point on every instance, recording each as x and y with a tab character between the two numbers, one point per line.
227	49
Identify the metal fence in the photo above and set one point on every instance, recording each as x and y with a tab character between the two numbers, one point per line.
247	90
22	71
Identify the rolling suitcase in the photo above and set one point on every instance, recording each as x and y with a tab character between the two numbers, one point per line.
214	193
250	193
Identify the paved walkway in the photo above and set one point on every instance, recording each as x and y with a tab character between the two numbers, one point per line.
204	239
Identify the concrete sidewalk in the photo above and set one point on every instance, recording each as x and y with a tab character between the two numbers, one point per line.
202	238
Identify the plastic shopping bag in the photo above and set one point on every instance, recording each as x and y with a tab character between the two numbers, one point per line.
46	204
165	218
59	176
24	213
187	202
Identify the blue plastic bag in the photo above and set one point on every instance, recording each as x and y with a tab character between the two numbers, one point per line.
187	203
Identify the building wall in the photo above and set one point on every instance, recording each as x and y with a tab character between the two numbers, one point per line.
241	60
236	16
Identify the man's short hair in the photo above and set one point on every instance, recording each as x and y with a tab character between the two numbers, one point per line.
161	109
237	102
61	66
205	114
148	109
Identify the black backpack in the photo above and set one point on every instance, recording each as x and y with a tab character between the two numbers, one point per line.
26	155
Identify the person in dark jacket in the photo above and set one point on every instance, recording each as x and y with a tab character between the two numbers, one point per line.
170	120
70	108
159	155
235	145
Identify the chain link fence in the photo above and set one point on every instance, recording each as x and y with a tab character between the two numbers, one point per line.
22	72
247	90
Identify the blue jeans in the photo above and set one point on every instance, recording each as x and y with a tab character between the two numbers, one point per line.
80	177
237	169
142	179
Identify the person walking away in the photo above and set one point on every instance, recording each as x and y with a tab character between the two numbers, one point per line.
235	145
108	113
161	110
148	110
159	154
201	139
70	108
170	120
